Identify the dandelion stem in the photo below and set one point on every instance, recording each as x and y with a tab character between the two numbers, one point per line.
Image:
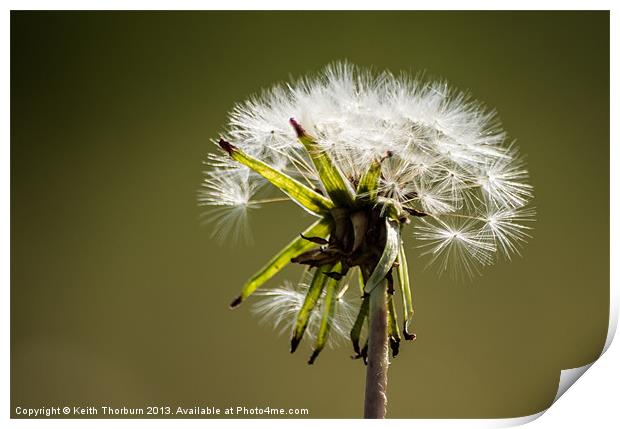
376	372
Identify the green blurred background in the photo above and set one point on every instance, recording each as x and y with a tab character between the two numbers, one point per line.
119	296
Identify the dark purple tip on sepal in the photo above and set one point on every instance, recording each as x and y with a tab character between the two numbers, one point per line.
229	148
395	346
315	354
408	336
298	128
294	343
235	302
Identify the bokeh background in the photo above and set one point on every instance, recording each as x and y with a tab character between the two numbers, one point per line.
120	297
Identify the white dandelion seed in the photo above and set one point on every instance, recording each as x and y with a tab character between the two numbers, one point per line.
510	228
279	306
456	244
229	193
503	180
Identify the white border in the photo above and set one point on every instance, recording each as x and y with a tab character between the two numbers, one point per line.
592	403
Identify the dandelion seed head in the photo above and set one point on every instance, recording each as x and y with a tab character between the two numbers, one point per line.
451	159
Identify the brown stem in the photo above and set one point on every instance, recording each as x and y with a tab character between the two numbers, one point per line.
375	404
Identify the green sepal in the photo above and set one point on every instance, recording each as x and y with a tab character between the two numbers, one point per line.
360	280
390	252
297	191
329	306
336	184
393	333
405	290
356	331
312	296
295	248
369	183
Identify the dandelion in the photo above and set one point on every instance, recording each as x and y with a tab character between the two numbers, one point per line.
371	155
